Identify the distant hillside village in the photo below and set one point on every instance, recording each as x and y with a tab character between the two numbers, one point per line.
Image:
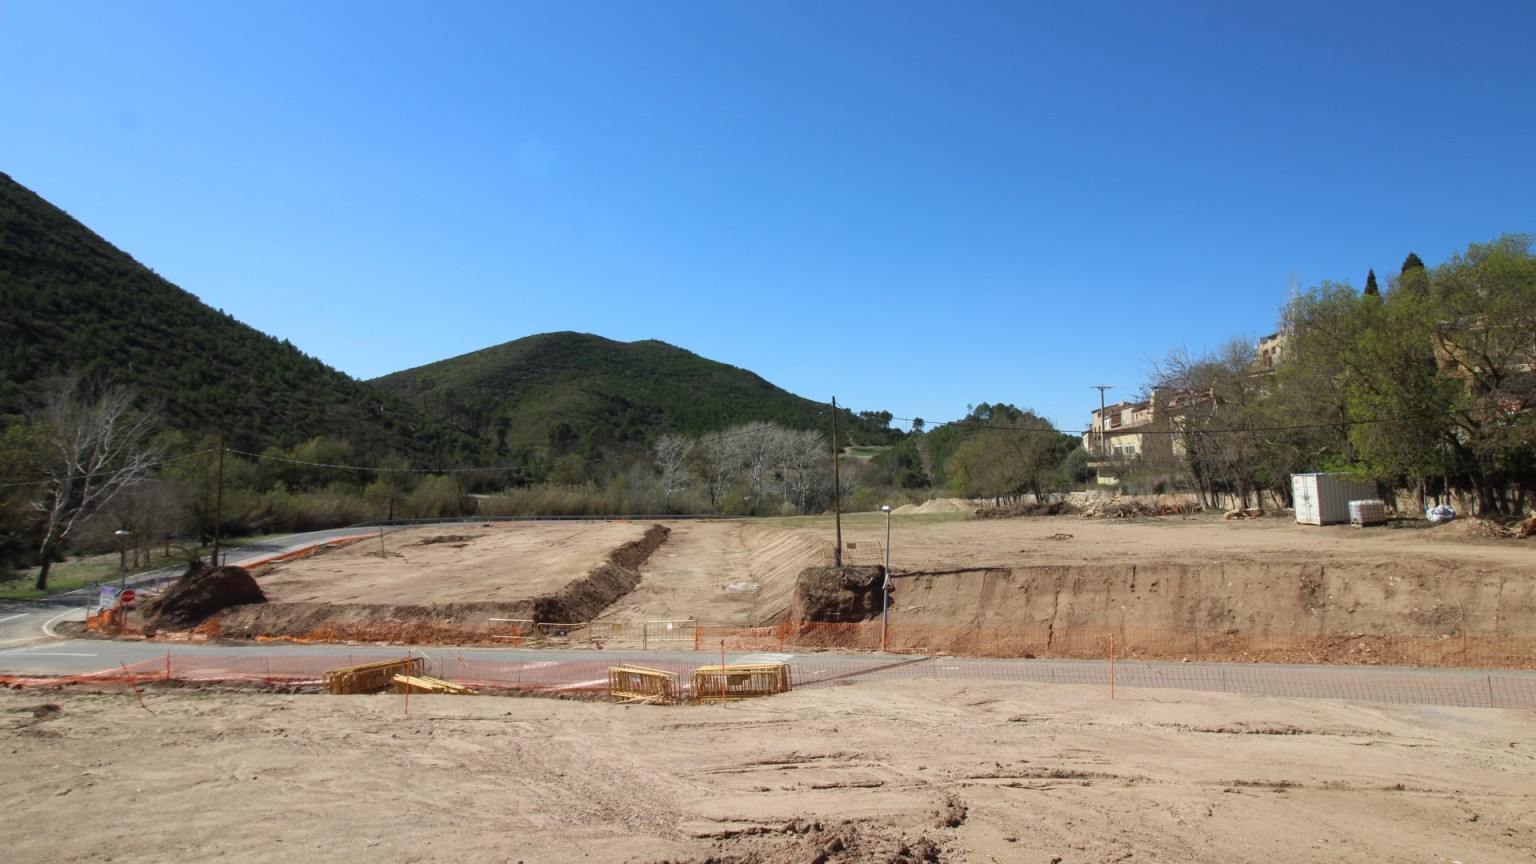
1426	390
1120	433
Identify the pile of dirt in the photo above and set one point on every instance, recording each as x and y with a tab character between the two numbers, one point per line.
1472	526
837	594
1032	508
443	538
201	592
939	505
1125	506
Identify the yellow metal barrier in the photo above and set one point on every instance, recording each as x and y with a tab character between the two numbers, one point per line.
637	684
744	681
370	677
423	684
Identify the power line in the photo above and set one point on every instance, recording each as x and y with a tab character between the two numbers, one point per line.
73	477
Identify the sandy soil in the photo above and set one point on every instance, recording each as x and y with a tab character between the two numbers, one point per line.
1265	576
940	544
879	772
452	563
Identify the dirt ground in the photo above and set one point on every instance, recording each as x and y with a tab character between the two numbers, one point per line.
908	771
898	771
1264	576
452	563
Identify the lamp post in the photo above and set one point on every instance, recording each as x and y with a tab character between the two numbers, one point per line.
122	535
885	590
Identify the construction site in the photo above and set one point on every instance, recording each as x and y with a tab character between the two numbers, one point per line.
713	737
1171	588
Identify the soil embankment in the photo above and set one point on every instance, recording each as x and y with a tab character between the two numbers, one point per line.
1176	588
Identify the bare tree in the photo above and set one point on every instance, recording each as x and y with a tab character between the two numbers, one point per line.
672	463
1217	425
754	444
150	510
715	465
803	466
98	446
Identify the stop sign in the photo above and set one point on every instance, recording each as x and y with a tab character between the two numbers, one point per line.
127	596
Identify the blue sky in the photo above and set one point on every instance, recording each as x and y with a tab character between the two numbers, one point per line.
913	207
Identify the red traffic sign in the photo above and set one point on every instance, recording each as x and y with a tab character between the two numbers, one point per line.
127	596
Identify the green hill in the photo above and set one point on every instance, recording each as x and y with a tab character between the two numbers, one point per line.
558	392
72	303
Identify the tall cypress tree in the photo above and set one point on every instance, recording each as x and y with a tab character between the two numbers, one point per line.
1370	283
1414	276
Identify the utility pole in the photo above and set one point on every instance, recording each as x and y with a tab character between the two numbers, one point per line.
1101	388
218	508
837	494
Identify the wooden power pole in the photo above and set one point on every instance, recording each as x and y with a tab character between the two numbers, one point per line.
837	493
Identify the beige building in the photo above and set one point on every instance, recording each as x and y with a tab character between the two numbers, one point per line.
1121	435
1271	348
1115	431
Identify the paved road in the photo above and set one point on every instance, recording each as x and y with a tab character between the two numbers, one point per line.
26	623
585	670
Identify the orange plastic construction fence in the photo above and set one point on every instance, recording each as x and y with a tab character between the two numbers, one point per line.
528	672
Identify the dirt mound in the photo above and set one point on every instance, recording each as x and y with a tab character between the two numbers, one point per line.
938	505
443	538
1124	507
201	592
1472	526
1047	508
838	594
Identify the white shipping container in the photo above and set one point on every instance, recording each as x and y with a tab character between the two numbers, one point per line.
1323	499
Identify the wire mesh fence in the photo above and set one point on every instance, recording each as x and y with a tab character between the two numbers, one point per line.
575	673
1452	650
1355	649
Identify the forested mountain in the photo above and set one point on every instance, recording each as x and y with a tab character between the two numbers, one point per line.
561	392
73	304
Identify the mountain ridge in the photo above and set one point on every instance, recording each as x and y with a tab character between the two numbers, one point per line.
74	304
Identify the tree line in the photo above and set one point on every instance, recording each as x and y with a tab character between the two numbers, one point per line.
1426	388
93	469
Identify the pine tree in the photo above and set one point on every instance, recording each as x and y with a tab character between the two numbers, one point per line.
1370	284
1411	262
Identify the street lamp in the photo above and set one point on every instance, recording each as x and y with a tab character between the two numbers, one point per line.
122	535
885	590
